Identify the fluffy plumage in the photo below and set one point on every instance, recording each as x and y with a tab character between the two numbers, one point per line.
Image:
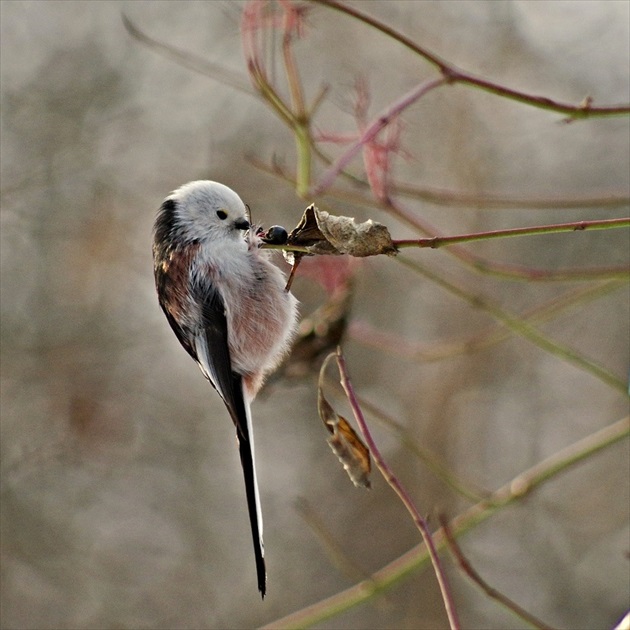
227	305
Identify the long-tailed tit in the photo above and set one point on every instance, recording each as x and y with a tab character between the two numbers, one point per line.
228	307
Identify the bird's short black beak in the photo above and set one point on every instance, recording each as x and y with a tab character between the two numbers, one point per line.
241	224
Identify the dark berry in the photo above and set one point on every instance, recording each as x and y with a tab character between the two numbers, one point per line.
275	235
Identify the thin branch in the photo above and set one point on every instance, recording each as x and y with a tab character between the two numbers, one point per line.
506	271
294	115
413	560
501	270
445	197
300	116
369	336
293	75
509	271
372	130
398	488
522	328
252	21
574	226
490	591
188	60
269	94
454	75
430	460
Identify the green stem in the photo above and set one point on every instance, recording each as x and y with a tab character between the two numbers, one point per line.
520	327
441	241
303	147
418	557
403	495
415	351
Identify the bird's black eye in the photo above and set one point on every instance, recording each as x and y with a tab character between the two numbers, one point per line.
222	214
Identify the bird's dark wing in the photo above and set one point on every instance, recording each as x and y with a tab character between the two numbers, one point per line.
197	316
213	356
171	271
210	343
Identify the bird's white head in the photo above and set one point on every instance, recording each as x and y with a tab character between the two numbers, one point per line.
204	210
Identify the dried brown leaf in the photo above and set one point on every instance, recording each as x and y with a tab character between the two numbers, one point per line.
327	234
343	440
352	453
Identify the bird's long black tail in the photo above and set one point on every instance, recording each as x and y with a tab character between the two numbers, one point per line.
246	447
245	435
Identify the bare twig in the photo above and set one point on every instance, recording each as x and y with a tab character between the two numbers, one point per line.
443	197
188	60
504	270
574	226
515	490
372	130
501	270
490	591
398	488
413	350
454	75
449	198
521	327
295	115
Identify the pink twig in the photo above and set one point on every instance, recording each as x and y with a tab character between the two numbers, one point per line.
393	481
506	270
490	591
574	226
454	75
372	131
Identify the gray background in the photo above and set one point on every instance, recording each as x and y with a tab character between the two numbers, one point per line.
122	497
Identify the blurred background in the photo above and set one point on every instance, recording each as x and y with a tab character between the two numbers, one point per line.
121	490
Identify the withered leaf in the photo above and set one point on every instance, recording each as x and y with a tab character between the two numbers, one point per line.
308	234
324	233
344	442
352	453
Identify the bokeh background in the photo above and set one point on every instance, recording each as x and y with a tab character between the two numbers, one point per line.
121	490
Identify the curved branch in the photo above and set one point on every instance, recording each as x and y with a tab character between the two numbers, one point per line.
575	226
416	558
380	122
454	75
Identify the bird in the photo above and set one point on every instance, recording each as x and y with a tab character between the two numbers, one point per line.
227	305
